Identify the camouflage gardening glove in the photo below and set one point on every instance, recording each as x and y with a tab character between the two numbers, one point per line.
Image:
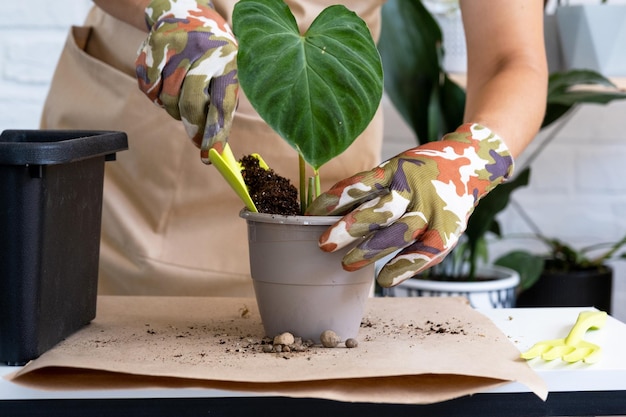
418	201
188	65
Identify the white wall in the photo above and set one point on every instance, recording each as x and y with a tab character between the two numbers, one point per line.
32	34
577	189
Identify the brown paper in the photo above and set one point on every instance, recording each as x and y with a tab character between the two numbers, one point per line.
411	350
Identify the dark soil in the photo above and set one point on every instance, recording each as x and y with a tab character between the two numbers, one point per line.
270	192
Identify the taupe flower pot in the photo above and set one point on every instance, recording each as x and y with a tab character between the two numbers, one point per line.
298	287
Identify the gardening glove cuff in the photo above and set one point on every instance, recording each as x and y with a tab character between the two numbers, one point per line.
187	65
416	204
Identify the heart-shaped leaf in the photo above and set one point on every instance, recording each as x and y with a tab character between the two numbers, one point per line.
318	90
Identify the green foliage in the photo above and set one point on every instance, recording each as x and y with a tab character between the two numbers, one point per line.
558	257
318	90
415	81
483	220
565	91
528	266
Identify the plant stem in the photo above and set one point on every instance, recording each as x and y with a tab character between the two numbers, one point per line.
311	193
616	246
302	174
318	185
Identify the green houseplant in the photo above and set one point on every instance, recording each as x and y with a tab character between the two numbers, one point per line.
562	275
559	274
318	90
432	104
326	84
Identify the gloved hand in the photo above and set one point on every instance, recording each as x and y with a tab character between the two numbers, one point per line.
188	65
419	202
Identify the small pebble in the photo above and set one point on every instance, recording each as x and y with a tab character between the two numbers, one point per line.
351	343
284	339
329	339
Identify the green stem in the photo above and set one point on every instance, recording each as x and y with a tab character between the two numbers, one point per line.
318	184
311	195
302	173
600	260
314	189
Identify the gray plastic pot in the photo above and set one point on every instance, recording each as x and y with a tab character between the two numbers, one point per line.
299	288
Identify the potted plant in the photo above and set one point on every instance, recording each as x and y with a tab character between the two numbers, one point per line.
318	90
411	55
593	36
564	275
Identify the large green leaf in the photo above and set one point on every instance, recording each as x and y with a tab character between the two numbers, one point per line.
318	90
409	47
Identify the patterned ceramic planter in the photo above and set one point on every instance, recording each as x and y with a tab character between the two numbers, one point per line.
593	37
496	292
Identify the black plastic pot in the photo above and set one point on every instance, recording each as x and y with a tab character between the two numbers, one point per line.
51	185
583	288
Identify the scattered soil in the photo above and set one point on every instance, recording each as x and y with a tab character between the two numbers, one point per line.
216	343
270	192
452	326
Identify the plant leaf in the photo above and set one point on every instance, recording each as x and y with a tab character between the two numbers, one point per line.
528	266
562	96
453	104
409	46
319	90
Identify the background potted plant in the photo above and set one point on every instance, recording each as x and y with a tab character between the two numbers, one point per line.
432	104
592	36
564	276
318	90
560	274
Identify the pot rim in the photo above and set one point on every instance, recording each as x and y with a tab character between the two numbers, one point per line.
283	219
504	278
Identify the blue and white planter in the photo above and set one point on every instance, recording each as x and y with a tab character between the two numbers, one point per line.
498	292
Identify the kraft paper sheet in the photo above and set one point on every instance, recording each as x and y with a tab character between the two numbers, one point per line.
411	351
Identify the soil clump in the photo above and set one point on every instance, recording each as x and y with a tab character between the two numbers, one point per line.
270	192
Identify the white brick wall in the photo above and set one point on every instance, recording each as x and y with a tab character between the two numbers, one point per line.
577	190
32	35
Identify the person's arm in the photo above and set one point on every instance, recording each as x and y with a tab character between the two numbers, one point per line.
507	70
129	11
417	203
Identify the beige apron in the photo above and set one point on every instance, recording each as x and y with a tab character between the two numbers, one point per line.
170	224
